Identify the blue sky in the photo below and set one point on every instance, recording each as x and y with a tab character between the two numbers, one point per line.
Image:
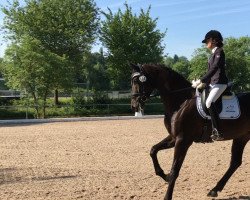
186	21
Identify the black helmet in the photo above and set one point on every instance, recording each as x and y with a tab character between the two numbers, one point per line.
214	35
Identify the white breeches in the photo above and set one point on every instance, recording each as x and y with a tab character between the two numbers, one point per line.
215	92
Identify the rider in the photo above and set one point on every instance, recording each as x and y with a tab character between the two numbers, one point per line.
215	77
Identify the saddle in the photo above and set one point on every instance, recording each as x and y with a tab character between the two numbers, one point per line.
227	105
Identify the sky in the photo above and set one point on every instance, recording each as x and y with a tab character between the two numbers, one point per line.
186	21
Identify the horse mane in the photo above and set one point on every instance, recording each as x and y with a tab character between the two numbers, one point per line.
169	80
178	77
172	74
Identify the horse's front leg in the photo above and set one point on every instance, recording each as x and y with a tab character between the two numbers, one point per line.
236	160
167	143
180	151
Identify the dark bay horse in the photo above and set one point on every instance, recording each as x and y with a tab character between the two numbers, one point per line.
183	122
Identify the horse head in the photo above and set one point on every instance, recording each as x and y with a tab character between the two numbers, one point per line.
141	87
171	86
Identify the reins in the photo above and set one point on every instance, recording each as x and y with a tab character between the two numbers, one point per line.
174	91
180	90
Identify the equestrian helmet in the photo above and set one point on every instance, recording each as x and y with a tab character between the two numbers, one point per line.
214	35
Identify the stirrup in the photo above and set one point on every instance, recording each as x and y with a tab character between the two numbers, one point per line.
216	136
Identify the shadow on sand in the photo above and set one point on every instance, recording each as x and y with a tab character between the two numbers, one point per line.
235	198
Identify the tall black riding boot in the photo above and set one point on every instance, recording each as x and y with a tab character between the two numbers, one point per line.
216	134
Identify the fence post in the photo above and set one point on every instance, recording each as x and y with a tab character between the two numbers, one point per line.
27	111
27	104
87	89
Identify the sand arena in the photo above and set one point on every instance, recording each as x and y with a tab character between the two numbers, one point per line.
108	160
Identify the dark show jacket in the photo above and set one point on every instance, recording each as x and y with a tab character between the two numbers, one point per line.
216	69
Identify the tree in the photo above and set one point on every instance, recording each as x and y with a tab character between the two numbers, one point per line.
169	61
179	64
130	38
1	64
63	27
198	64
176	58
96	71
182	67
30	67
237	59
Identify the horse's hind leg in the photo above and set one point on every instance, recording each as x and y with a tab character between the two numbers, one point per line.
236	160
167	143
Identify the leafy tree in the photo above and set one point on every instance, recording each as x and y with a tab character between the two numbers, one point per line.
63	27
2	83
169	61
130	38
237	59
176	58
198	64
30	67
1	64
180	64
96	71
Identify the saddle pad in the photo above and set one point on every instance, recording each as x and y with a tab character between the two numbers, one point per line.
230	108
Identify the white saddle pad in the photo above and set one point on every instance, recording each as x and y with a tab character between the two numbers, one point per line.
230	108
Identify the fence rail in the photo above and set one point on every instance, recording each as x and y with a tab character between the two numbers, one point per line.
110	94
10	94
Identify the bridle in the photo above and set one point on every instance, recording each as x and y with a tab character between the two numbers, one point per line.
142	79
143	96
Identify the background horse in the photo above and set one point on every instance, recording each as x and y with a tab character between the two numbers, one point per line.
183	122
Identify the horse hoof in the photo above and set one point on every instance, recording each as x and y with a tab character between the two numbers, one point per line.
212	193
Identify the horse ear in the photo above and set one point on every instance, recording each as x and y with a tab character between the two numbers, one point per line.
135	67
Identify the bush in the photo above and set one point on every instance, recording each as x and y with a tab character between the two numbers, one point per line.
101	98
12	114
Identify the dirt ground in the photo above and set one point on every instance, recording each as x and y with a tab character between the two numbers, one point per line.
108	160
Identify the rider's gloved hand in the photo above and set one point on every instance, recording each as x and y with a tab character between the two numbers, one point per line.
196	83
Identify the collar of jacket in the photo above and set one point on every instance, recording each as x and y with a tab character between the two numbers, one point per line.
214	49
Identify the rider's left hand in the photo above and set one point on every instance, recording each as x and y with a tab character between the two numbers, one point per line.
196	83
201	85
